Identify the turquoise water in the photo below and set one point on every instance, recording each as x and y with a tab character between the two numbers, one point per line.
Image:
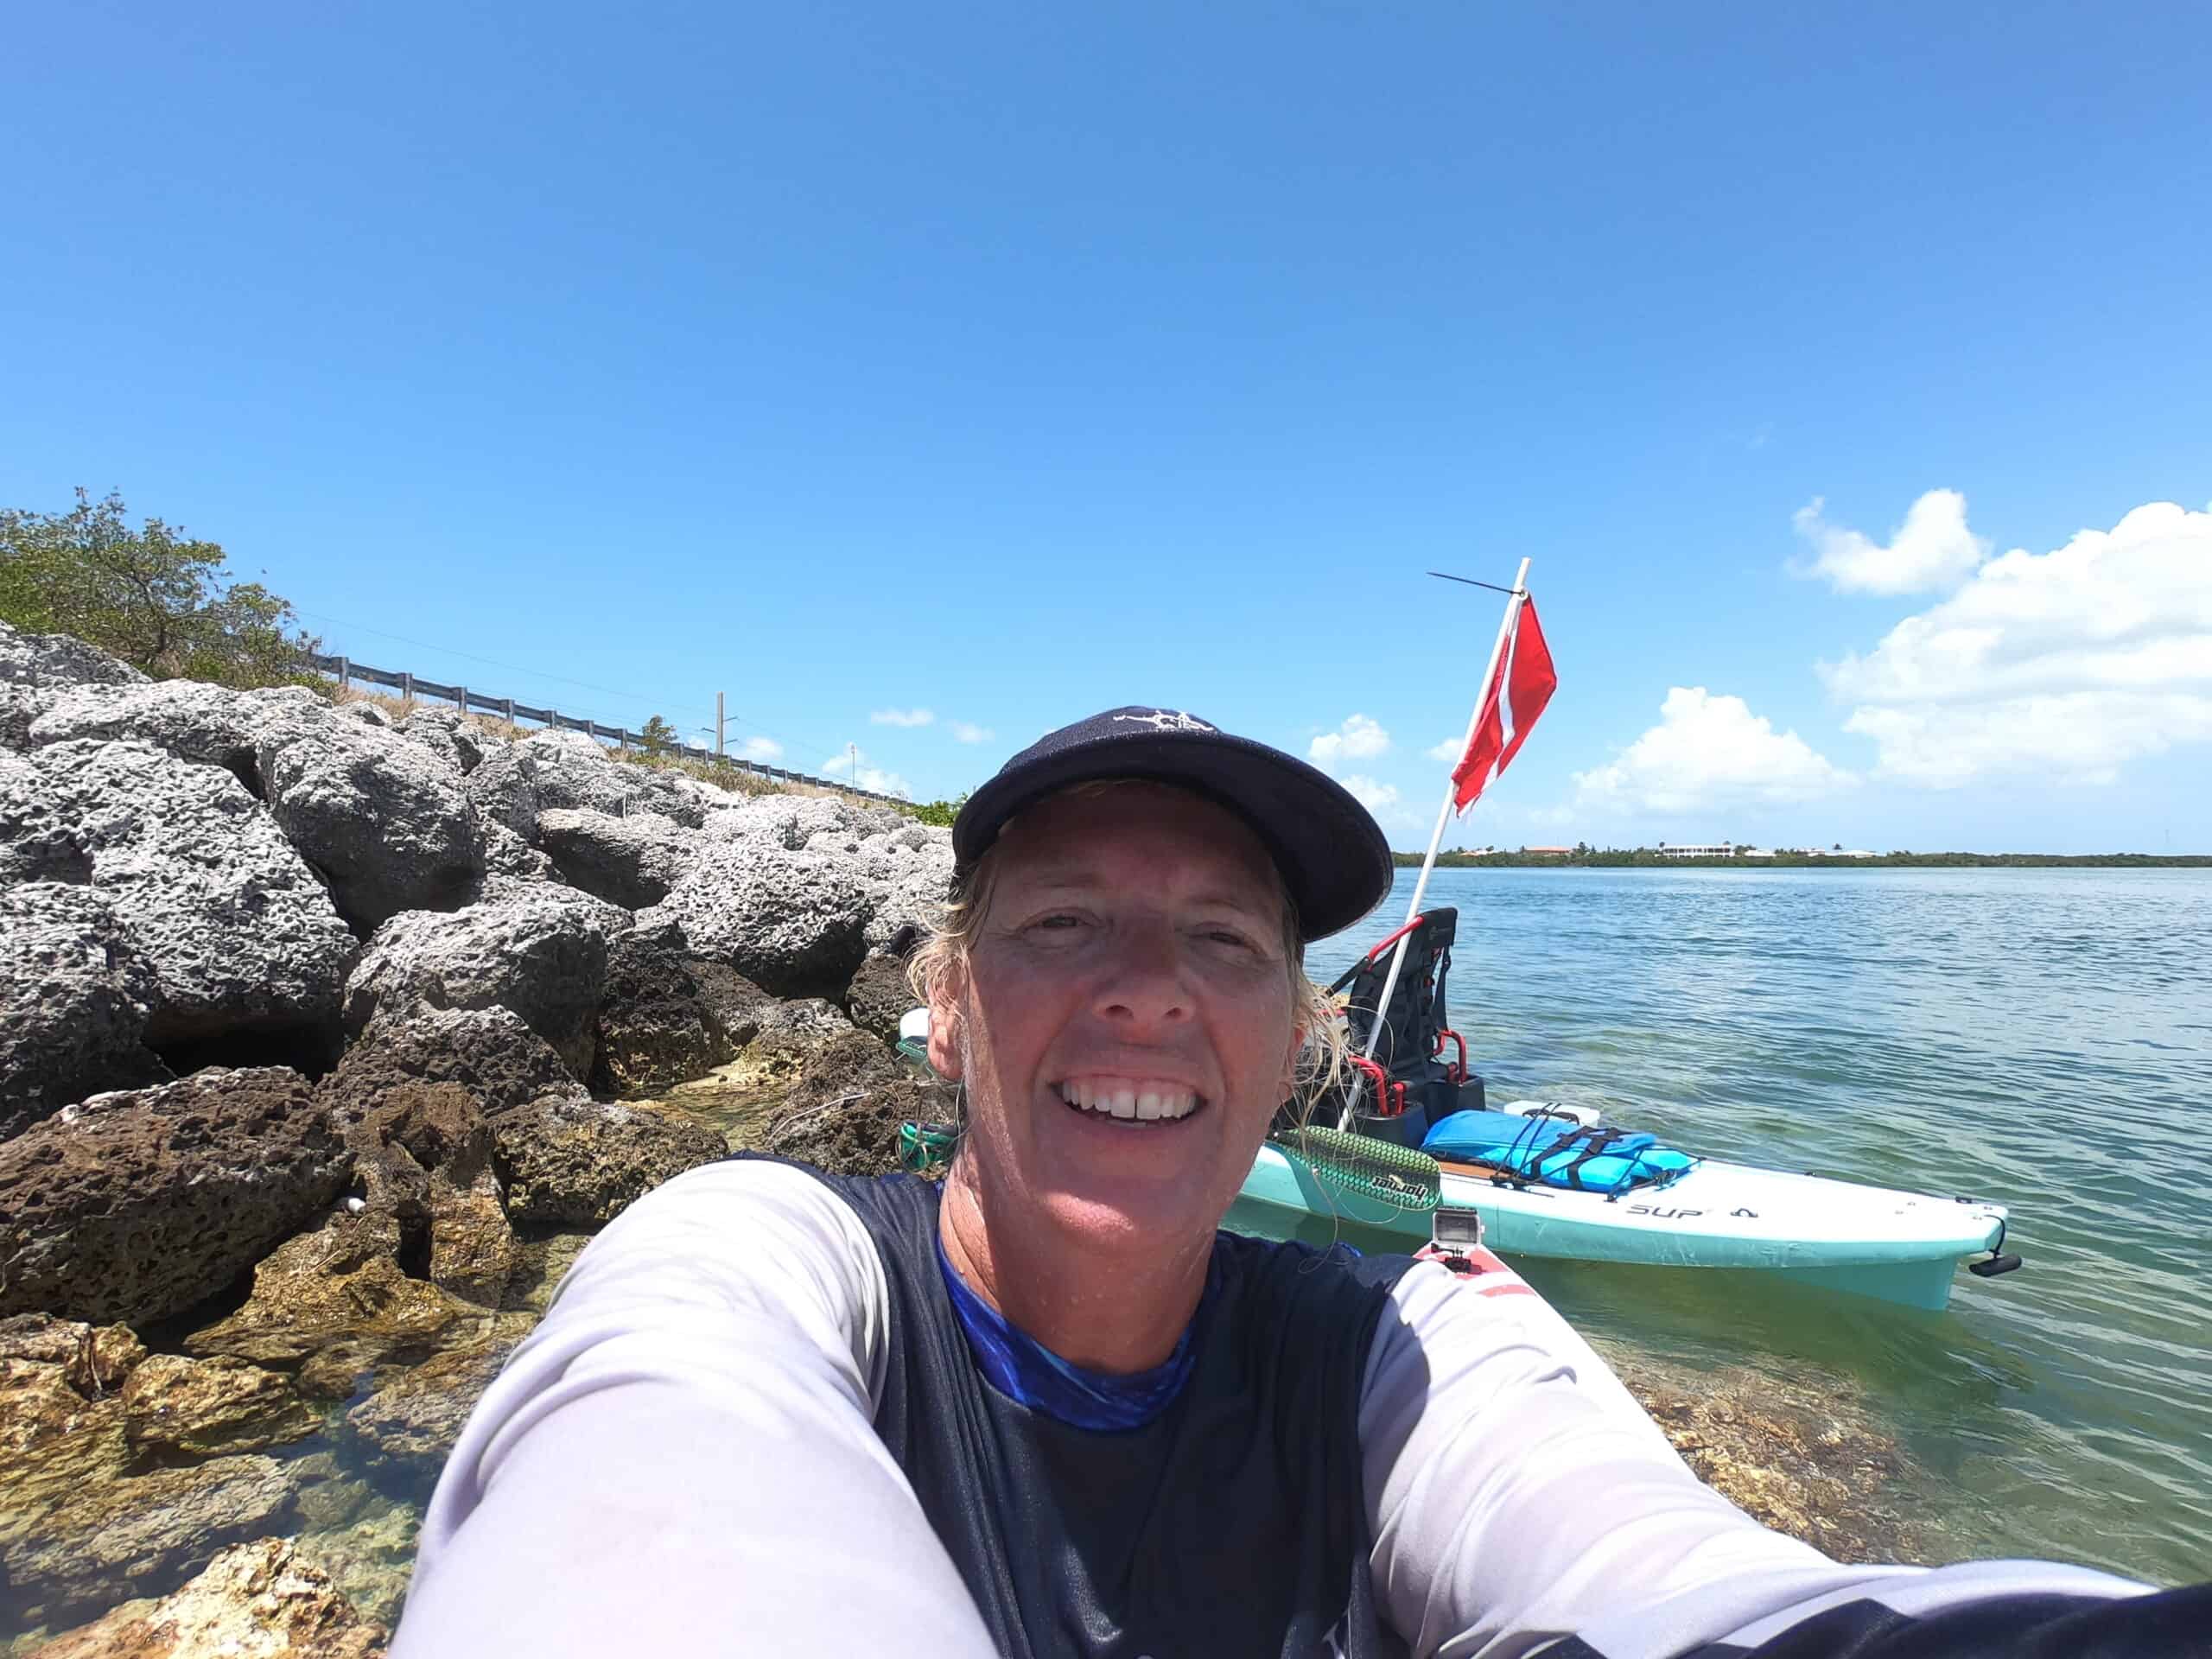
2041	1037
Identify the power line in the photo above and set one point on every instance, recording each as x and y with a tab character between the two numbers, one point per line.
657	704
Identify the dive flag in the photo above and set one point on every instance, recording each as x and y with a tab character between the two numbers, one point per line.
1527	680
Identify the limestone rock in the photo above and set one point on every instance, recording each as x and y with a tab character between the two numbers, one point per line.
55	1444
239	934
575	770
504	786
728	997
459	742
209	725
334	1305
386	822
473	1249
371	1557
141	1535
540	952
175	1406
583	1162
815	1018
94	1359
137	1205
507	853
786	822
19	706
843	1113
879	995
630	861
432	1150
46	660
368	713
257	1600
543	1260
74	1001
35	844
656	1029
415	1416
791	1040
488	1051
791	921
909	900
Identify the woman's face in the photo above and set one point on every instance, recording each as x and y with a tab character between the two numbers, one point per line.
1125	1026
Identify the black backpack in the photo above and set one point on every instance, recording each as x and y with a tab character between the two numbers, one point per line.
1418	1073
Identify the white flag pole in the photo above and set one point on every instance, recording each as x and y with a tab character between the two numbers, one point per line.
1443	817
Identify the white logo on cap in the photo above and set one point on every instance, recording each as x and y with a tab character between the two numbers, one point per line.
1168	720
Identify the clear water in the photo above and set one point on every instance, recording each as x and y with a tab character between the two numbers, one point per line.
2041	1037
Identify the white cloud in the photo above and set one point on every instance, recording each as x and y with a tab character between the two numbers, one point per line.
968	732
901	717
2066	665
1448	751
1705	753
765	750
853	763
1375	797
1932	549
1359	739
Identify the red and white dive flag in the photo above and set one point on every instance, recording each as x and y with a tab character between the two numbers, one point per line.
1527	681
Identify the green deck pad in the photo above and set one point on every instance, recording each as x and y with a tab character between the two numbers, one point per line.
1381	1170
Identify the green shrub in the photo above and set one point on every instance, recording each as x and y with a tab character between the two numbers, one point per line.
157	600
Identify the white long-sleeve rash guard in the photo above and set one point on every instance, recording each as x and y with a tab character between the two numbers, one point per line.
680	1459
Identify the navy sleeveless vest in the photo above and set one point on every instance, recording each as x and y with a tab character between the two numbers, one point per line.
1231	1526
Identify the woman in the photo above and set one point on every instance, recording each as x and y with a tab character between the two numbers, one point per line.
1050	1410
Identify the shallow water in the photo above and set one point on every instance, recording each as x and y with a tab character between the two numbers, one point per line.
2041	1037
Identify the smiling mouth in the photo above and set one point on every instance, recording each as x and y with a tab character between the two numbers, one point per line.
1142	1103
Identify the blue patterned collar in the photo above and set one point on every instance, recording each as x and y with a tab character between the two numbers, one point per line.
1030	1374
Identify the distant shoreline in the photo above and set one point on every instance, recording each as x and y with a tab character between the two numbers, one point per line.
1645	860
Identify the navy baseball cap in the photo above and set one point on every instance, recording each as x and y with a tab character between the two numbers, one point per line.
1328	848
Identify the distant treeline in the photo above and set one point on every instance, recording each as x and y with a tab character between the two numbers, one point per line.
1617	858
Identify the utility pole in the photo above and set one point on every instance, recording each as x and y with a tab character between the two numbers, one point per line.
854	775
718	725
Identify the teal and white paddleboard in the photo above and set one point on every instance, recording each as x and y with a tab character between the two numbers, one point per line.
1902	1246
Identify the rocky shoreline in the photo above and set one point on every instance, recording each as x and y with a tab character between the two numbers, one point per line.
327	1039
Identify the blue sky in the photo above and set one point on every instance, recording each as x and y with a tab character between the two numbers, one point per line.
1008	363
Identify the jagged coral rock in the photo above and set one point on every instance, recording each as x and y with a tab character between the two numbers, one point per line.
334	1305
74	1002
173	1406
879	995
35	844
790	921
540	951
656	1028
413	1418
631	861
140	1534
135	1205
257	1601
488	1051
386	822
843	1112
239	934
94	1359
583	1162
52	659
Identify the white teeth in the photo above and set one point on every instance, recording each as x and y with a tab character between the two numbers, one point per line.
1128	1099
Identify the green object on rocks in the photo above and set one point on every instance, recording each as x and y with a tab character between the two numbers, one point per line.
1381	1170
926	1147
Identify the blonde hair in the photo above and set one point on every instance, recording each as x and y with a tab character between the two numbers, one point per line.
939	965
